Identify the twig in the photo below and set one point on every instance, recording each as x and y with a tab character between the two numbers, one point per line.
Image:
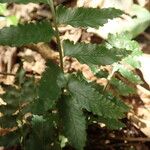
7	74
132	139
146	35
11	74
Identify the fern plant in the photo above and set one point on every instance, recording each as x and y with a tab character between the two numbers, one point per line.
42	114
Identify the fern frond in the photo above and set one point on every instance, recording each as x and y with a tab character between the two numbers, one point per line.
93	53
91	100
85	17
48	90
74	122
8	109
111	123
128	74
16	96
132	61
26	34
12	137
121	87
123	41
8	121
42	133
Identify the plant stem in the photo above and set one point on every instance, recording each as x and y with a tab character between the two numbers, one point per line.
51	4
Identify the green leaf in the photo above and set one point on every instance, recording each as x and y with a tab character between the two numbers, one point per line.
137	21
3	9
8	121
132	61
12	20
11	96
94	68
138	24
23	1
123	41
102	74
33	143
117	102
38	106
14	138
18	96
26	34
43	127
42	133
8	109
37	122
28	90
132	77
74	122
10	139
91	100
20	76
121	87
111	123
85	17
93	53
49	90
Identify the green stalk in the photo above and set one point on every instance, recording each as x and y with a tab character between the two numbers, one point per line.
51	4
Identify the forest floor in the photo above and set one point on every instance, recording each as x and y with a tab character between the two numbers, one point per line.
134	136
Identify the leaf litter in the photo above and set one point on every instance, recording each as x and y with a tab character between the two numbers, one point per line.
138	122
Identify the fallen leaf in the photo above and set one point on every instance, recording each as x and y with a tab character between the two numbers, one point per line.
71	33
141	120
125	5
145	63
144	94
90	3
135	24
143	2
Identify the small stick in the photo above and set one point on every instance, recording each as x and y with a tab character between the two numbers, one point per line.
146	35
138	139
5	73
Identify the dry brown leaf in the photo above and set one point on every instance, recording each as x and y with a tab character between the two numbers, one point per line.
116	23
7	58
3	22
125	5
144	94
143	2
8	63
71	33
1	148
107	28
90	3
145	64
32	61
23	11
142	119
120	4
